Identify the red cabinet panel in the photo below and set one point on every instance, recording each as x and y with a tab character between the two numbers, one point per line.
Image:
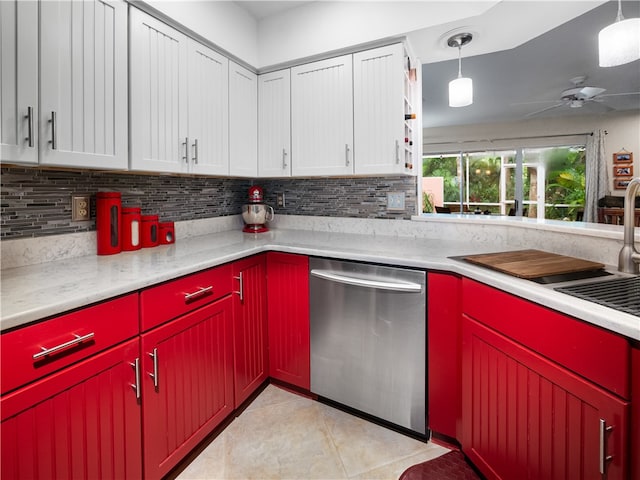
172	299
187	383
526	417
635	411
288	313
110	323
81	422
249	326
444	353
598	355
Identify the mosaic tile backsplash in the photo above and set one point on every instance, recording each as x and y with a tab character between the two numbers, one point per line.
37	202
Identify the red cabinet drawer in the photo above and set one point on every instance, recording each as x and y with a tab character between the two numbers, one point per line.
70	337
596	354
176	297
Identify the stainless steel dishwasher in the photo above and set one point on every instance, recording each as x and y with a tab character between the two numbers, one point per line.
368	339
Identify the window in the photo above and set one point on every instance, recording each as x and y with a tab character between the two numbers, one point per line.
534	182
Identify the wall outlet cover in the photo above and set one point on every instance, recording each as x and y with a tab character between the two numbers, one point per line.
395	201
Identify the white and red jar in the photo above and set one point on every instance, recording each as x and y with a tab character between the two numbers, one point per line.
131	229
150	233
108	222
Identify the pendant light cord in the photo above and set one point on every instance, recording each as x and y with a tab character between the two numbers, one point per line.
459	60
619	17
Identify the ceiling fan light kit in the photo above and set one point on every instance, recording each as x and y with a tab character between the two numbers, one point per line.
619	43
461	88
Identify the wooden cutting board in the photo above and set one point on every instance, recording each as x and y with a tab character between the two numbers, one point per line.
533	263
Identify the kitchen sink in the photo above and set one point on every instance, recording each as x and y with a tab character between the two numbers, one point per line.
620	292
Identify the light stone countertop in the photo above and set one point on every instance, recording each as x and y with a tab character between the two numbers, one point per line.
35	292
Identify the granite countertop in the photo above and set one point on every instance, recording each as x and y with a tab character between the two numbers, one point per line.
38	291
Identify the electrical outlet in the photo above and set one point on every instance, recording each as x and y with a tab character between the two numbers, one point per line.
79	208
280	199
395	201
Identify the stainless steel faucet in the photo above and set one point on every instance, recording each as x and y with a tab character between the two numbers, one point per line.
629	257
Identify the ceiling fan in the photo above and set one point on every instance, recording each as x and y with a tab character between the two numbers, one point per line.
580	95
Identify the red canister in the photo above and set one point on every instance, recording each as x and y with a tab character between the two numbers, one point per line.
108	206
130	237
150	237
167	233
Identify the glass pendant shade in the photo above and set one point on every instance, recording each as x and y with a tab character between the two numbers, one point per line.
619	43
460	92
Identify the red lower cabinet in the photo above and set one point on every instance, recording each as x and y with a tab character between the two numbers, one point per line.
288	307
80	422
187	383
526	417
444	353
250	356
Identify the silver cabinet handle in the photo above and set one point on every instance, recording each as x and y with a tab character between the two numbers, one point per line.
195	150
29	117
368	283
54	133
284	158
346	154
186	149
190	297
397	152
63	346
240	292
136	368
604	458
154	375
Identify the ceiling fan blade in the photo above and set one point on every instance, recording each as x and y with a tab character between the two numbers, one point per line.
534	102
544	110
598	107
618	94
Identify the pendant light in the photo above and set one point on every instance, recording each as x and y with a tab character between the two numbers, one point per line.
619	43
461	88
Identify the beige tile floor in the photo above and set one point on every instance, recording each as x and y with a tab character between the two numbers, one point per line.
282	435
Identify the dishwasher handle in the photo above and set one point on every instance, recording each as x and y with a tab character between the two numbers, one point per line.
368	283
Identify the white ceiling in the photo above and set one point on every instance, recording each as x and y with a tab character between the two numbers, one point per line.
505	82
265	8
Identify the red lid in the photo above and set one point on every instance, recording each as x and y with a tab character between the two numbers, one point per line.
108	195
130	210
149	218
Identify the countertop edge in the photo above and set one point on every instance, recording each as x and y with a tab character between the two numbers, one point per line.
612	320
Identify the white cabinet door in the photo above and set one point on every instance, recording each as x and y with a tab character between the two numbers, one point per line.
274	124
158	95
83	83
208	93
378	108
243	121
322	118
19	87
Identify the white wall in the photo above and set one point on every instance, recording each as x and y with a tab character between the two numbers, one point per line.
623	132
322	26
223	23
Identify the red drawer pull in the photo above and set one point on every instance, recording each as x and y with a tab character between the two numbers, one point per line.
76	341
189	297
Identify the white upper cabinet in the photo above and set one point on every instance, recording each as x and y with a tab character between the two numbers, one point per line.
179	101
83	84
158	95
322	118
208	127
379	110
243	122
274	124
19	87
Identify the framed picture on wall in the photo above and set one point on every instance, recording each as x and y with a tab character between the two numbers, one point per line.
623	157
621	183
623	170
